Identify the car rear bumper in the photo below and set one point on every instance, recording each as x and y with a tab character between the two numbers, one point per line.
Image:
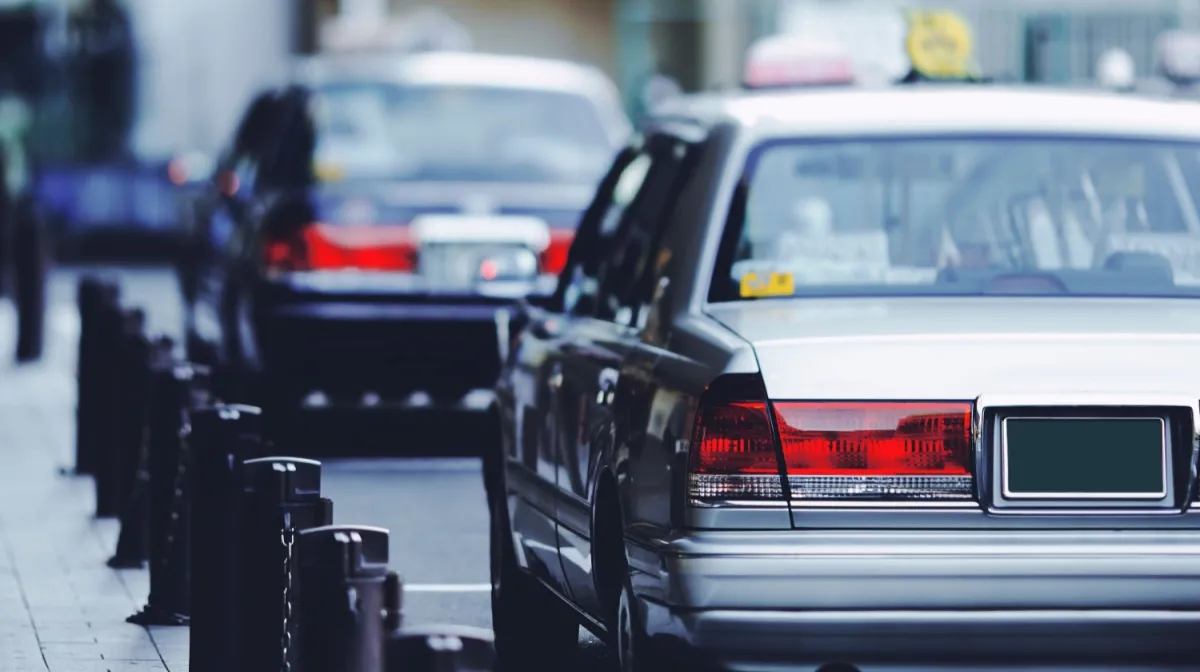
892	641
932	600
390	344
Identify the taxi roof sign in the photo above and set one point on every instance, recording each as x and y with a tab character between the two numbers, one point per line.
426	29
784	61
940	45
1178	55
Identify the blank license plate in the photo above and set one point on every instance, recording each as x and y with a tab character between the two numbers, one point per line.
450	264
1084	458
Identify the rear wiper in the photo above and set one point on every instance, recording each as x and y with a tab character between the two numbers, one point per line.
996	281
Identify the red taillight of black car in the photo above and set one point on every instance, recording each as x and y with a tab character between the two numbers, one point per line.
554	258
325	247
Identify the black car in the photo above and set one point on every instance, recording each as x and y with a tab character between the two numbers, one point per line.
365	227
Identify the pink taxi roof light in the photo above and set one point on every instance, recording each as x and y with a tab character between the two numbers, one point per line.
784	60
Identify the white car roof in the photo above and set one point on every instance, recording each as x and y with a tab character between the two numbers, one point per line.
942	109
477	69
463	68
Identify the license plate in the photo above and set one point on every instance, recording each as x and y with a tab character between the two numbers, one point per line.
455	265
1084	458
459	265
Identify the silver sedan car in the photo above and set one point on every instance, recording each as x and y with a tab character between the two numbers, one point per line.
903	379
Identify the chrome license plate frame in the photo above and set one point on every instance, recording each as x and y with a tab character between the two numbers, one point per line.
1080	423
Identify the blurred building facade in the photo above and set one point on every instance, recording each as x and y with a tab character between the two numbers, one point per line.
1049	41
699	43
200	60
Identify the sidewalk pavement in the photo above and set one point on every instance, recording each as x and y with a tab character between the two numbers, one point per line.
61	608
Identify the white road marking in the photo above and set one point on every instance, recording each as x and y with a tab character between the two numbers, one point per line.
447	587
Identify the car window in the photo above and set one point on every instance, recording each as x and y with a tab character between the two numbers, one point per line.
655	261
626	190
579	279
382	131
634	241
965	215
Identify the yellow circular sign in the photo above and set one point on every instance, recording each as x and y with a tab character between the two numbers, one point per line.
940	45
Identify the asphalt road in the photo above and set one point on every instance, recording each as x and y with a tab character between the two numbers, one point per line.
433	505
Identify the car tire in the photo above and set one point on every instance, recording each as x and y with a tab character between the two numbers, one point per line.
631	646
533	629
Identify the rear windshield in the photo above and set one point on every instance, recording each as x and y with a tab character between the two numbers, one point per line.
964	216
368	131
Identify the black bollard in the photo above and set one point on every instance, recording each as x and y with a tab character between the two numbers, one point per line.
133	394
393	592
92	294
96	297
282	498
441	648
222	437
343	600
144	359
119	416
29	266
180	388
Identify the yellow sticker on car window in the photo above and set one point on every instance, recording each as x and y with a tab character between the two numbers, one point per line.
756	285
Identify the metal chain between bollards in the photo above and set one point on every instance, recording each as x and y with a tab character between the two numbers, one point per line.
288	537
173	526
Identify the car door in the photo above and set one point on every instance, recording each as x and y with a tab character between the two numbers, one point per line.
597	352
529	385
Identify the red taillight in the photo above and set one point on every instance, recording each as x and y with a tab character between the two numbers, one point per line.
876	451
554	257
733	454
320	247
831	451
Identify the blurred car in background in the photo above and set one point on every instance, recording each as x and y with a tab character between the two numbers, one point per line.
367	224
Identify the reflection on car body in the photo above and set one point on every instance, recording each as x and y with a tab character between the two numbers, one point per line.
945	417
368	222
